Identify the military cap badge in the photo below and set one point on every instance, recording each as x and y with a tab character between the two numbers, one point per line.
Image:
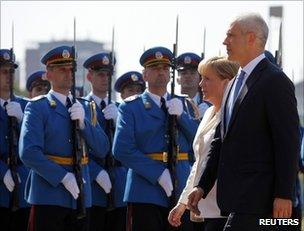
134	77
105	60
187	60
6	56
158	55
65	54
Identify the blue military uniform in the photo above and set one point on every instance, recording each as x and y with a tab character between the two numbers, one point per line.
186	61
11	220
102	62
5	195
46	146
140	142
140	132
46	132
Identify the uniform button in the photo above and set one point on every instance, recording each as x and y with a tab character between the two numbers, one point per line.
6	137
69	140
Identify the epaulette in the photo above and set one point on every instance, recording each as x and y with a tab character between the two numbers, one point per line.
131	98
39	97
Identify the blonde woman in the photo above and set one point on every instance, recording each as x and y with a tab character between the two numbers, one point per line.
216	73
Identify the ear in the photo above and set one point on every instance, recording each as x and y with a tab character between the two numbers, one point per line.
89	76
144	75
48	75
251	38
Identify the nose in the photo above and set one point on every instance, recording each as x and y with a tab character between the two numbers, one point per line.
225	42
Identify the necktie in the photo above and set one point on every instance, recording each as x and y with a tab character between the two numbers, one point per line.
4	105
238	85
102	104
163	105
68	103
239	82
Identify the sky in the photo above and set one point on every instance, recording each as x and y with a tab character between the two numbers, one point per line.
141	25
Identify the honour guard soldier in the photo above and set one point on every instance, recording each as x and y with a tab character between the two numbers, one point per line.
140	143
189	79
108	176
12	217
37	84
130	83
46	146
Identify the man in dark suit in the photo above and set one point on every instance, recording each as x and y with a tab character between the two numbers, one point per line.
254	154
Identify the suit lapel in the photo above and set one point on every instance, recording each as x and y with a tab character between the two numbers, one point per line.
151	107
252	79
223	106
59	107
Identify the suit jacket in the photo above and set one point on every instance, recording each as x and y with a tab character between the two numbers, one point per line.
140	130
256	159
201	146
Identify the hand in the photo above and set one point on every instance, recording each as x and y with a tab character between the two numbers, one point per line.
8	180
110	112
104	181
175	106
175	215
165	181
14	109
282	208
193	199
77	113
69	182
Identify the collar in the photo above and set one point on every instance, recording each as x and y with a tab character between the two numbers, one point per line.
196	98
251	65
156	98
62	98
2	101
98	99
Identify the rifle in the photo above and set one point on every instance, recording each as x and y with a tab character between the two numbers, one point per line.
77	141
109	130
278	53
202	56
13	135
173	148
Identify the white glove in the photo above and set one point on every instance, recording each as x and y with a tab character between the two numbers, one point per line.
104	181
175	106
202	109
165	181
8	180
110	112
77	113
14	109
69	182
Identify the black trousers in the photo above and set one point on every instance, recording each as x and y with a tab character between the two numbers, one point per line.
14	221
103	220
250	222
214	224
116	219
97	219
148	217
56	218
